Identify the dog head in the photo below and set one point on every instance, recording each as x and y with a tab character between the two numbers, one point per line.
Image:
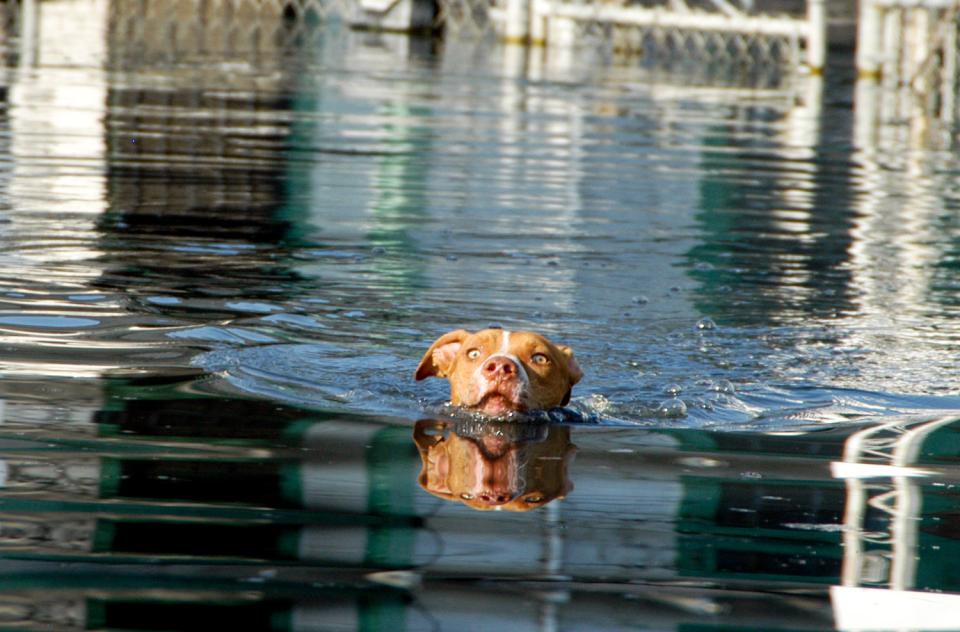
497	372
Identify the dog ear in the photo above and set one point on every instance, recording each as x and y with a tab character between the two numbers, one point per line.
438	359
576	373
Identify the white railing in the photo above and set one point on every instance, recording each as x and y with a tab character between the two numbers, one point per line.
902	38
554	22
911	43
907	65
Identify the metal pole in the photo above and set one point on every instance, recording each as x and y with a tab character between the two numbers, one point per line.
517	18
28	34
539	10
948	81
869	44
817	37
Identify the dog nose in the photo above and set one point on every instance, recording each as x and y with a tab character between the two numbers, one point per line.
500	366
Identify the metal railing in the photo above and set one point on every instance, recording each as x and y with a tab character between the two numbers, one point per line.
907	62
724	27
906	45
903	38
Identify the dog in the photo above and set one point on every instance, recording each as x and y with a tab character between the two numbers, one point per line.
511	466
497	372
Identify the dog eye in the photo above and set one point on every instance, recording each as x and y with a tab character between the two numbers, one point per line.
539	358
533	500
473	354
466	496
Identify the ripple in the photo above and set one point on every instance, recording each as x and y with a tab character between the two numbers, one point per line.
49	322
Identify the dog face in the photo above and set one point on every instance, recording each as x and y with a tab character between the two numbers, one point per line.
496	467
497	372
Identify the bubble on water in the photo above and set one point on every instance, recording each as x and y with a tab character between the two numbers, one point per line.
596	403
706	324
641	299
672	390
751	475
672	409
452	258
379	250
725	386
703	266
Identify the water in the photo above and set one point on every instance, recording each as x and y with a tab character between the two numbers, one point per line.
221	264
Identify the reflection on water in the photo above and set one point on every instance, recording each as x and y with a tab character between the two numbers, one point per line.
513	466
223	254
277	508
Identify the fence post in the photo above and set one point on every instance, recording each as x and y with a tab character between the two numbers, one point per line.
948	76
869	42
562	32
538	18
817	36
517	18
28	33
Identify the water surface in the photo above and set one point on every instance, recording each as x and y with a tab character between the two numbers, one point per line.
221	263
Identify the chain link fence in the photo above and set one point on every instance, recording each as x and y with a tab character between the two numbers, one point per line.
178	29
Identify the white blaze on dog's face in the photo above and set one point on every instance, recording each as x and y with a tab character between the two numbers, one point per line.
497	372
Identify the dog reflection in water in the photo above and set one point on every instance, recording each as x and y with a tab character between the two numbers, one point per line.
512	466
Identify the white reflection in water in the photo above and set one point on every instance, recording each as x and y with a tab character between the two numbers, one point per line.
57	110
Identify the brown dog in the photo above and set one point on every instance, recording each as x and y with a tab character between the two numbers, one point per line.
497	372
